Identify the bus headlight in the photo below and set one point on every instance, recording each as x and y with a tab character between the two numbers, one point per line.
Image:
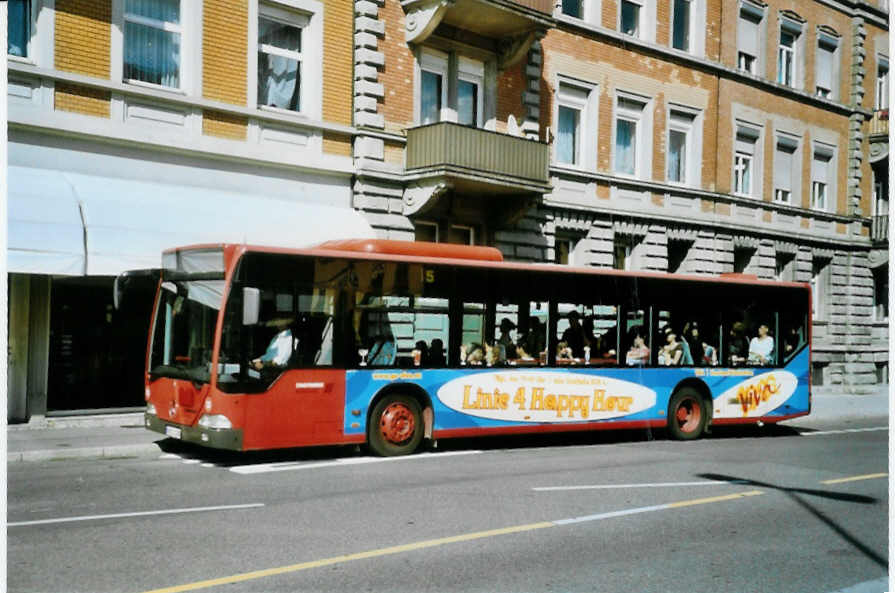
215	421
150	409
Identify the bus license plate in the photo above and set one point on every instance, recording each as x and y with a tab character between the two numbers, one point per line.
172	431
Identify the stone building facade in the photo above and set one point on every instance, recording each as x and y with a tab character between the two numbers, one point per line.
691	136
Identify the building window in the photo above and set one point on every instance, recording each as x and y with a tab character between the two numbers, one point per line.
820	286
881	293
425	231
470	82
745	169
624	251
630	18
677	255
821	175
682	158
280	58
681	25
786	169
786	59
742	259
433	87
784	267
572	102
152	42
826	79
573	8
882	83
749	38
19	28
629	136
459	234
569	250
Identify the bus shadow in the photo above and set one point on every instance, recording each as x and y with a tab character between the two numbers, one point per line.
486	443
797	495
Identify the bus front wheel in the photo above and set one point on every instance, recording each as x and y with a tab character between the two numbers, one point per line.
396	426
687	414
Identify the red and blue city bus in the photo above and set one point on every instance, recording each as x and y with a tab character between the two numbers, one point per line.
391	343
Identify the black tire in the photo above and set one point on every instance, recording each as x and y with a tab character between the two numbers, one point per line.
687	414
396	426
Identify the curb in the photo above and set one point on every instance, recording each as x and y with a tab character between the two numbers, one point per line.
85	452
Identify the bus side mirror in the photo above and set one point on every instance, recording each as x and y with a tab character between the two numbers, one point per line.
251	305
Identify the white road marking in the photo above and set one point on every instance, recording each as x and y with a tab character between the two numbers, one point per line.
263	468
168	456
843	431
229	507
189	461
646	485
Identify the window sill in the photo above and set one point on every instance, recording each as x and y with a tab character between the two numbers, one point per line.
157	87
281	111
21	60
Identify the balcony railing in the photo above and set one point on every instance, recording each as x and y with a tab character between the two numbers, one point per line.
451	149
879	228
879	125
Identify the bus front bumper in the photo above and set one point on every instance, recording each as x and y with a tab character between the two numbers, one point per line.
217	438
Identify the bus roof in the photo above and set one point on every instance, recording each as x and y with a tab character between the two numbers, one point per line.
473	256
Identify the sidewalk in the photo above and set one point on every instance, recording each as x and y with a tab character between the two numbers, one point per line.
123	435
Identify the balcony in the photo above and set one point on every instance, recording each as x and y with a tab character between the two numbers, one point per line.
879	135
512	24
879	228
879	125
471	161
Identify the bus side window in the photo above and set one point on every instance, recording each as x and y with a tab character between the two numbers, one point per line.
473	345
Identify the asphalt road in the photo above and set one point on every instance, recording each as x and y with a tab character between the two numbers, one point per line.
752	510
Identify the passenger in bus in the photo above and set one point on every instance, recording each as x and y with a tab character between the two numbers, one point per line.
638	354
761	347
507	349
564	351
693	343
709	355
531	345
793	339
672	353
383	351
738	349
574	335
436	354
424	353
281	345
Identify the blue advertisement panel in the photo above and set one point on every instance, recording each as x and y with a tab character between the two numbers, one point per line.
494	397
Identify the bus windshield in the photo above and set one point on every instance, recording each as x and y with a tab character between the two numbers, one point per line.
184	329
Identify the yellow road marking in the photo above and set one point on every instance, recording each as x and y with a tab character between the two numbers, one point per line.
855	478
248	576
695	501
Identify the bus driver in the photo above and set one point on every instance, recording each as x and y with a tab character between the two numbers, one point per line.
280	348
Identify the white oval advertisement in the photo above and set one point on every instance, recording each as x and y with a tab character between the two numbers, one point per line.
517	396
756	396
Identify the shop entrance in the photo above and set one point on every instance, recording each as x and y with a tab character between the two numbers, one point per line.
97	353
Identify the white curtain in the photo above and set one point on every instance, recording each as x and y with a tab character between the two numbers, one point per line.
625	146
278	81
566	139
150	53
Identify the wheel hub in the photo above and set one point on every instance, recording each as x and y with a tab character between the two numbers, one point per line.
688	415
397	423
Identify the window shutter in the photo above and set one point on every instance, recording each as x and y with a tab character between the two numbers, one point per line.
819	167
747	35
825	67
745	144
783	163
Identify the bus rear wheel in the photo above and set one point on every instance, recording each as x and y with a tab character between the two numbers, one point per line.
687	414
396	426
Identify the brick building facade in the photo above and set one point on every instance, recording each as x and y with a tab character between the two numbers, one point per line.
697	136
